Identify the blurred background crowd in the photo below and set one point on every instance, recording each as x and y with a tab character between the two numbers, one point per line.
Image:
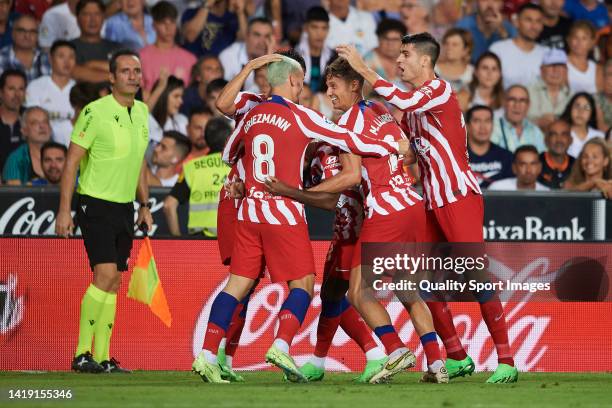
534	79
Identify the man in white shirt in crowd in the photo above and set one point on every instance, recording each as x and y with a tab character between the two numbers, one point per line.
258	42
312	46
59	23
521	56
167	155
347	25
52	92
526	166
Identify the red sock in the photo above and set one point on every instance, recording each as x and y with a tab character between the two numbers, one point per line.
493	315
326	330
432	351
234	331
214	335
443	323
389	338
352	323
288	326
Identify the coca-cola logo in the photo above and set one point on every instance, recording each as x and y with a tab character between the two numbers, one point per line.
12	307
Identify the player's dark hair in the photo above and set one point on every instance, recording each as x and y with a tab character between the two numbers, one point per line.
216	133
294	55
317	13
12	72
258	20
340	68
182	143
52	145
163	10
525	149
112	63
82	3
470	113
215	85
200	110
390	24
529	6
160	109
425	44
83	93
61	43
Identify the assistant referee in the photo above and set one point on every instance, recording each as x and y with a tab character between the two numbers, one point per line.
108	142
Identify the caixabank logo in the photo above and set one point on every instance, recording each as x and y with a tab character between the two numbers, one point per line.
12	306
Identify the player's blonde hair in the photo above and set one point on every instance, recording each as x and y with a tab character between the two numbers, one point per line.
279	71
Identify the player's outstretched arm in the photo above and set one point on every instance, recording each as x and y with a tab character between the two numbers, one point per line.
64	225
229	96
349	176
327	201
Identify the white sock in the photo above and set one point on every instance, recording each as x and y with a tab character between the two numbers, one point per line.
210	357
282	345
435	366
375	354
397	352
318	362
222	343
228	360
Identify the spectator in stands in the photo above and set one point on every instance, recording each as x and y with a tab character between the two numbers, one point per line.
164	104
581	115
592	170
7	17
556	25
92	51
52	92
556	163
213	90
383	59
205	70
52	158
526	167
592	10
487	26
171	151
488	161
604	37
583	73
550	94
350	25
454	64
416	16
521	56
513	129
59	23
24	163
12	96
258	42
164	53
82	94
131	27
213	26
24	54
604	99
313	48
198	120
486	87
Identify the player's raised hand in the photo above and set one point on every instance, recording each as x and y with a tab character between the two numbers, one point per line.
350	53
264	60
277	187
64	226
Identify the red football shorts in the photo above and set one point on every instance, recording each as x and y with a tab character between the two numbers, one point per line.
284	249
407	225
339	259
460	221
227	217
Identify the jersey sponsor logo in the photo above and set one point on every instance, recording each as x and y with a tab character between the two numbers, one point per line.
87	110
116	118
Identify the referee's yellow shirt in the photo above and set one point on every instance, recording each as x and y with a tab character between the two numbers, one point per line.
115	140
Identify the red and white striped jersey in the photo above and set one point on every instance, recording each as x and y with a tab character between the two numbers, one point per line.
349	209
272	138
384	183
435	125
236	173
244	102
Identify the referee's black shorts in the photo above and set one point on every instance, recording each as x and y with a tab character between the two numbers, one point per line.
108	230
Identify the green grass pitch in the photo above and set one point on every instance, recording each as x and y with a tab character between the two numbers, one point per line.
266	389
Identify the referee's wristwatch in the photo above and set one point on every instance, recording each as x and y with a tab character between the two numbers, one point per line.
146	204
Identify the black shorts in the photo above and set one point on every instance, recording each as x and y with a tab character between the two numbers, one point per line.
108	230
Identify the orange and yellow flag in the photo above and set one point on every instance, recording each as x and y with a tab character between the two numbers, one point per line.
145	285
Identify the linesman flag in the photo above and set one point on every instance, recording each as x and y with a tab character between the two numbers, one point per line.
145	285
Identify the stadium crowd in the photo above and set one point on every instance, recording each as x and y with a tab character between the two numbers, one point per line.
534	79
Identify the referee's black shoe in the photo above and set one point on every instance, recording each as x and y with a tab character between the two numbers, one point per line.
112	366
84	363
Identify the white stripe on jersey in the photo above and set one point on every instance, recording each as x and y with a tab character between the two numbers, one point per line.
300	208
433	183
405	196
227	150
265	209
359	122
280	205
392	200
448	191
251	209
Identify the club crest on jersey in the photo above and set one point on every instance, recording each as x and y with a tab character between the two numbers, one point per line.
427	91
331	160
420	145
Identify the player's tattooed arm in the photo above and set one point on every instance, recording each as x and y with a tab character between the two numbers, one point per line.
349	176
327	201
226	102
